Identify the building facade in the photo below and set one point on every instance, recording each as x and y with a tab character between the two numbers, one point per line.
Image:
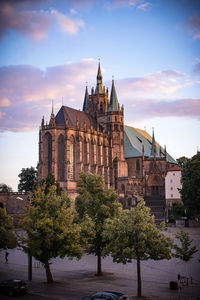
173	185
96	140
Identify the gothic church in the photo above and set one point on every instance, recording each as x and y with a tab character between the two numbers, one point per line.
96	140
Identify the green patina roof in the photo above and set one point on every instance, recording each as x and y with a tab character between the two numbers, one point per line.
85	104
135	139
114	105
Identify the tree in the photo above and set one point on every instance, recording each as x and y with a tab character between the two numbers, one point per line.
50	227
49	181
99	204
133	234
28	180
7	237
177	211
182	161
4	188
190	186
185	252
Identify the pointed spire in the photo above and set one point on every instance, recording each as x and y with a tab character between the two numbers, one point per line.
99	87
153	146
52	110
114	105
85	104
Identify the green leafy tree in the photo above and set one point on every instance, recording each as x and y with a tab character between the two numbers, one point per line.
190	191
133	234
4	188
50	227
27	180
185	251
177	211
7	237
182	161
49	181
99	204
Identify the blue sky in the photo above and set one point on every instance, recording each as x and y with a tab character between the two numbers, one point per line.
50	49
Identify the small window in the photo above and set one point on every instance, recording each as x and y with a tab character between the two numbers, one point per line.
171	195
173	174
171	180
115	119
171	188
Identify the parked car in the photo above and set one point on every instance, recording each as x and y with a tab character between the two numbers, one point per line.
106	296
13	287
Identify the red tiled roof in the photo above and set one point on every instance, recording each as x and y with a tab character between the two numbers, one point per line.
175	168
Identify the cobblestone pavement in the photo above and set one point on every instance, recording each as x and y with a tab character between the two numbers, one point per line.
74	279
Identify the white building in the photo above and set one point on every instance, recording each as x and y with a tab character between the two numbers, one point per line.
172	186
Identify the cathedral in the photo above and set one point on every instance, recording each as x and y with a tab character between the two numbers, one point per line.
95	140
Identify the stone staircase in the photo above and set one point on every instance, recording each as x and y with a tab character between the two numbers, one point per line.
157	206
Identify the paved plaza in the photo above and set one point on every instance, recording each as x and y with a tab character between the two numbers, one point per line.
74	279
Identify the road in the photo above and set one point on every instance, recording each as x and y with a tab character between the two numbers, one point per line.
74	278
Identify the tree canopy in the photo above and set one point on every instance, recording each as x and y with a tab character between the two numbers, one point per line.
4	188
182	161
99	204
190	191
7	237
50	227
27	180
133	234
185	251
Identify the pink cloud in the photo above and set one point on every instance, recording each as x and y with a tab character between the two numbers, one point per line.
193	25
67	24
150	108
19	16
144	6
29	92
26	93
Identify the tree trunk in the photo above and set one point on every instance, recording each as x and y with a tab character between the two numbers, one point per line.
139	289
99	272
48	273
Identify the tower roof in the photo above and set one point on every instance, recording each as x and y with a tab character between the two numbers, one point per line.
153	146
99	87
114	105
85	104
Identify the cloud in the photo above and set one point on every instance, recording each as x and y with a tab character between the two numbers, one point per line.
193	25
34	24
144	6
196	68
26	93
67	24
20	17
149	108
161	84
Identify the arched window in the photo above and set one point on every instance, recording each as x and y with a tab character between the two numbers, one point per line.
61	158
48	152
101	107
71	158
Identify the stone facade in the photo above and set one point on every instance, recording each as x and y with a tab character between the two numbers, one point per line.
96	140
14	203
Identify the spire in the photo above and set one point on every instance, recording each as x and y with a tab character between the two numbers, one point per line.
114	105
85	104
52	110
99	87
153	147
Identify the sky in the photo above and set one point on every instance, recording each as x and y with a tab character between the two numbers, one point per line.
49	51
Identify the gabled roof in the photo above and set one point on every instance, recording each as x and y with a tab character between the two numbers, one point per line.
135	139
175	168
68	115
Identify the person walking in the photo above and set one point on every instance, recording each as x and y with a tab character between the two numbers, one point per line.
6	256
